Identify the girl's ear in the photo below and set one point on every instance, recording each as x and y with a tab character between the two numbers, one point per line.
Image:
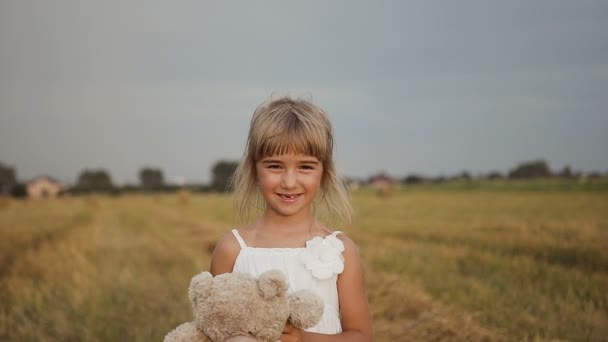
272	284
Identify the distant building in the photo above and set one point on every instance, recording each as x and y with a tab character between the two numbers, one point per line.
381	181
383	184
44	187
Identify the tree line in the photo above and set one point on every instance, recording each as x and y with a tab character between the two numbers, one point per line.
151	179
534	169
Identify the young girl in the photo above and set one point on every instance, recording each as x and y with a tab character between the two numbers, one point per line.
288	164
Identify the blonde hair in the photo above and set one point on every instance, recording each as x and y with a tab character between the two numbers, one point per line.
288	125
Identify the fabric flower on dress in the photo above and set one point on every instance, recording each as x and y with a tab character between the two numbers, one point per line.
323	256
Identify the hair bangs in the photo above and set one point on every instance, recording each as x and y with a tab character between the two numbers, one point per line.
292	135
297	141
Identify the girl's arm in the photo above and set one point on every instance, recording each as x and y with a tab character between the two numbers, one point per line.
224	255
354	309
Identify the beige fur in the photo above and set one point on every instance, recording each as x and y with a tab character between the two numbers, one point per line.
237	304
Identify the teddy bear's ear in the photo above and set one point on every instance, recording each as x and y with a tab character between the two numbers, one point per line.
272	283
306	309
200	286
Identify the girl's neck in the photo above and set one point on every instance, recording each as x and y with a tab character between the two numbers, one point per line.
298	223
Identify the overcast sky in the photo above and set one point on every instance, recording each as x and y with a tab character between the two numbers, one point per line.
431	87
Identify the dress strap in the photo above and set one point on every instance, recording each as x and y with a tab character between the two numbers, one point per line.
336	233
239	238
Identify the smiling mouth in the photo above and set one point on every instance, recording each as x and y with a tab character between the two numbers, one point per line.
289	197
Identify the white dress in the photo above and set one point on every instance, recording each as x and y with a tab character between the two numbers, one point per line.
315	267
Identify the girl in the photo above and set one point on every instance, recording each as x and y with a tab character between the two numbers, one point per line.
288	163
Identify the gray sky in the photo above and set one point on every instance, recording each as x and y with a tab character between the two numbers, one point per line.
432	87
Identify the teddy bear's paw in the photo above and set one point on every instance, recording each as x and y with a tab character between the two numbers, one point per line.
306	309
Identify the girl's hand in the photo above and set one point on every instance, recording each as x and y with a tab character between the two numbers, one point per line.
292	334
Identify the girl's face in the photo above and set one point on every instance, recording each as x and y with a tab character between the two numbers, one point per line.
289	183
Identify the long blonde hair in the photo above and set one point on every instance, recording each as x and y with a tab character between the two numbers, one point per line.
288	125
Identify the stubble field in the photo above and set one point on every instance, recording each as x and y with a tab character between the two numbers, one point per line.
440	265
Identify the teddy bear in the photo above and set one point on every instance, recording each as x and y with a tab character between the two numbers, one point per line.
238	304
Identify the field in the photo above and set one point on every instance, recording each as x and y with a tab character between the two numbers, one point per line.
453	264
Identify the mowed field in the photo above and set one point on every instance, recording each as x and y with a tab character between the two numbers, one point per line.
440	265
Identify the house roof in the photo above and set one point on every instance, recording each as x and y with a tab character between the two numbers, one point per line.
381	177
44	177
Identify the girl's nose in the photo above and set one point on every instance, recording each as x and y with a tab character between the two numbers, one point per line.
288	181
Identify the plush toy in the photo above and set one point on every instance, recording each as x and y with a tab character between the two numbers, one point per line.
237	304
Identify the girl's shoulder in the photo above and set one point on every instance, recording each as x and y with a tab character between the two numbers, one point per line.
245	232
224	255
326	232
350	250
228	242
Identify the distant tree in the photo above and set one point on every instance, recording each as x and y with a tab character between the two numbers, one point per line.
531	169
19	190
94	180
566	172
413	179
151	179
7	178
464	175
494	175
223	171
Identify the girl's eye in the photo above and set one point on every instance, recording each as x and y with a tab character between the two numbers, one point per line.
274	166
308	167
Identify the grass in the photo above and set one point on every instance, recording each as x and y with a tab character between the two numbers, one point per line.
451	264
